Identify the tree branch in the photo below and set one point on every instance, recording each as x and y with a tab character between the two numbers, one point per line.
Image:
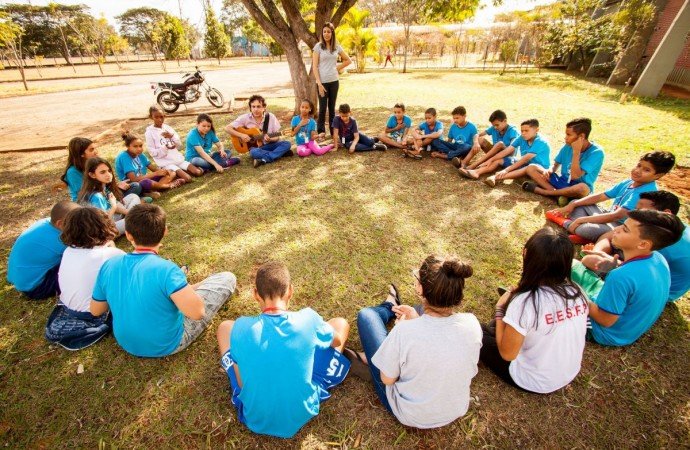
299	26
275	16
341	11
261	18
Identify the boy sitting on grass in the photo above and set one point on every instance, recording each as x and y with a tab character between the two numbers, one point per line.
36	254
155	311
586	221
634	295
424	134
580	162
602	257
502	135
346	134
281	363
532	147
462	137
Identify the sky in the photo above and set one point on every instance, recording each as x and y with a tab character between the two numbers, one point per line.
193	10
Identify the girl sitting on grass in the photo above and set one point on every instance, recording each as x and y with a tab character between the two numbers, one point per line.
540	326
422	370
132	165
99	189
304	129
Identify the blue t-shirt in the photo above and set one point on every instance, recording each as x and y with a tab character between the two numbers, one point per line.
539	147
462	135
303	135
636	292
275	356
591	161
345	130
195	138
626	196
678	258
507	137
124	164
438	126
393	122
74	179
99	200
137	287
37	250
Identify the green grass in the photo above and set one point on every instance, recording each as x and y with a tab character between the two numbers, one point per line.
346	225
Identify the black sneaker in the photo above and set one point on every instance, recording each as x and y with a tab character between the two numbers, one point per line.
380	146
289	153
259	163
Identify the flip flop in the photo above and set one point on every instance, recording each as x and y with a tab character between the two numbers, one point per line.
392	290
358	367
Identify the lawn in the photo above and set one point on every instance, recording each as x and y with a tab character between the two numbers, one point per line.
346	225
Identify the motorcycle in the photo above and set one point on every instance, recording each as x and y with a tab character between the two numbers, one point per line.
171	95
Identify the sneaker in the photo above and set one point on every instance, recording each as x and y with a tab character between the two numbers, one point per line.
259	163
490	181
233	161
146	199
562	201
376	140
552	216
289	153
380	146
457	162
529	186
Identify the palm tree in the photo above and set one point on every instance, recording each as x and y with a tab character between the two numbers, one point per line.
362	43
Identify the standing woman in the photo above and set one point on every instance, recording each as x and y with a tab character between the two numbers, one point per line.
326	70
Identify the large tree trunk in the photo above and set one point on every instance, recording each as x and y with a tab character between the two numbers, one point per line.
303	84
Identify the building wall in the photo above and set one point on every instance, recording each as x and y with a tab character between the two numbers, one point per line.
681	72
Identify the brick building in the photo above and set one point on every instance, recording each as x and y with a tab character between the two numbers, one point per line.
680	75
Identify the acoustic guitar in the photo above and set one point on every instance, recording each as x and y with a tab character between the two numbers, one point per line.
257	139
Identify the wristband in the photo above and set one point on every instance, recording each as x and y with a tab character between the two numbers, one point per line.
499	313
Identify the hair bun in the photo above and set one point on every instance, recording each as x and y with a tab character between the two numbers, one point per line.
456	268
124	134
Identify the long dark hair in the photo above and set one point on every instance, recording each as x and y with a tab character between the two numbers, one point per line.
75	155
334	42
91	186
443	280
546	263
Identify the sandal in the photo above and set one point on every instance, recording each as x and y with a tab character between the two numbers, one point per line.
392	290
358	367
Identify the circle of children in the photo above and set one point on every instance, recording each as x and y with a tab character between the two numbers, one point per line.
281	364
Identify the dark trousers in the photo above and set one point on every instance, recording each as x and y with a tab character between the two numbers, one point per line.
327	100
48	287
451	149
364	144
491	357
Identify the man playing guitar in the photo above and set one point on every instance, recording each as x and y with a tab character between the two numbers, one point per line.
261	130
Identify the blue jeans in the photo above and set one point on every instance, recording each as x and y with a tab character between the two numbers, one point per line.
134	188
452	149
48	287
271	151
371	323
204	165
364	144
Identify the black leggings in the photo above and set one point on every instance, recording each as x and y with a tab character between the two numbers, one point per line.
491	357
327	100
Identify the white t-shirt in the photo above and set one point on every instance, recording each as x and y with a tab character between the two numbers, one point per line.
165	151
434	359
551	354
77	275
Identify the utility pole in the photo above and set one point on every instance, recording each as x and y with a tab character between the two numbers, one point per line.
179	5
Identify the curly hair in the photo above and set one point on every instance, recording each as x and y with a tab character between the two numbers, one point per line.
87	227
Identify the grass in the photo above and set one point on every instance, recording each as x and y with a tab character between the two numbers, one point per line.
347	225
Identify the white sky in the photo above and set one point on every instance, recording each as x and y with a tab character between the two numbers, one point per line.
193	10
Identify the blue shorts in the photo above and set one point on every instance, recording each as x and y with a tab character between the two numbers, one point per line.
509	161
330	369
561	182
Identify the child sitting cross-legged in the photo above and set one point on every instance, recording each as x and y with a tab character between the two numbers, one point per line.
88	233
533	148
462	137
422	370
156	312
281	363
586	221
633	296
502	135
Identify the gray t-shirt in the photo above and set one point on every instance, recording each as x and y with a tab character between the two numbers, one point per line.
327	63
434	359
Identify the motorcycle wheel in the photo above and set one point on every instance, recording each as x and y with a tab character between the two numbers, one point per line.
165	100
215	98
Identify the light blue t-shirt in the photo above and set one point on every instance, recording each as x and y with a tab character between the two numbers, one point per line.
393	122
438	126
124	164
74	179
626	196
137	287
37	250
539	147
275	356
678	258
507	137
195	138
303	135
462	135
591	161
636	292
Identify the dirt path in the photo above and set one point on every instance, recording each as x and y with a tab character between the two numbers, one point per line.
53	119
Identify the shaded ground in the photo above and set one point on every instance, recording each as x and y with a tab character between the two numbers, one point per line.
346	225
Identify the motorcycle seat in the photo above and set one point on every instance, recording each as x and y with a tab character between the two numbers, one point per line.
175	86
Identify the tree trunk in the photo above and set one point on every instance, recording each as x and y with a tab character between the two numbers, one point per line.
20	66
303	84
406	46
